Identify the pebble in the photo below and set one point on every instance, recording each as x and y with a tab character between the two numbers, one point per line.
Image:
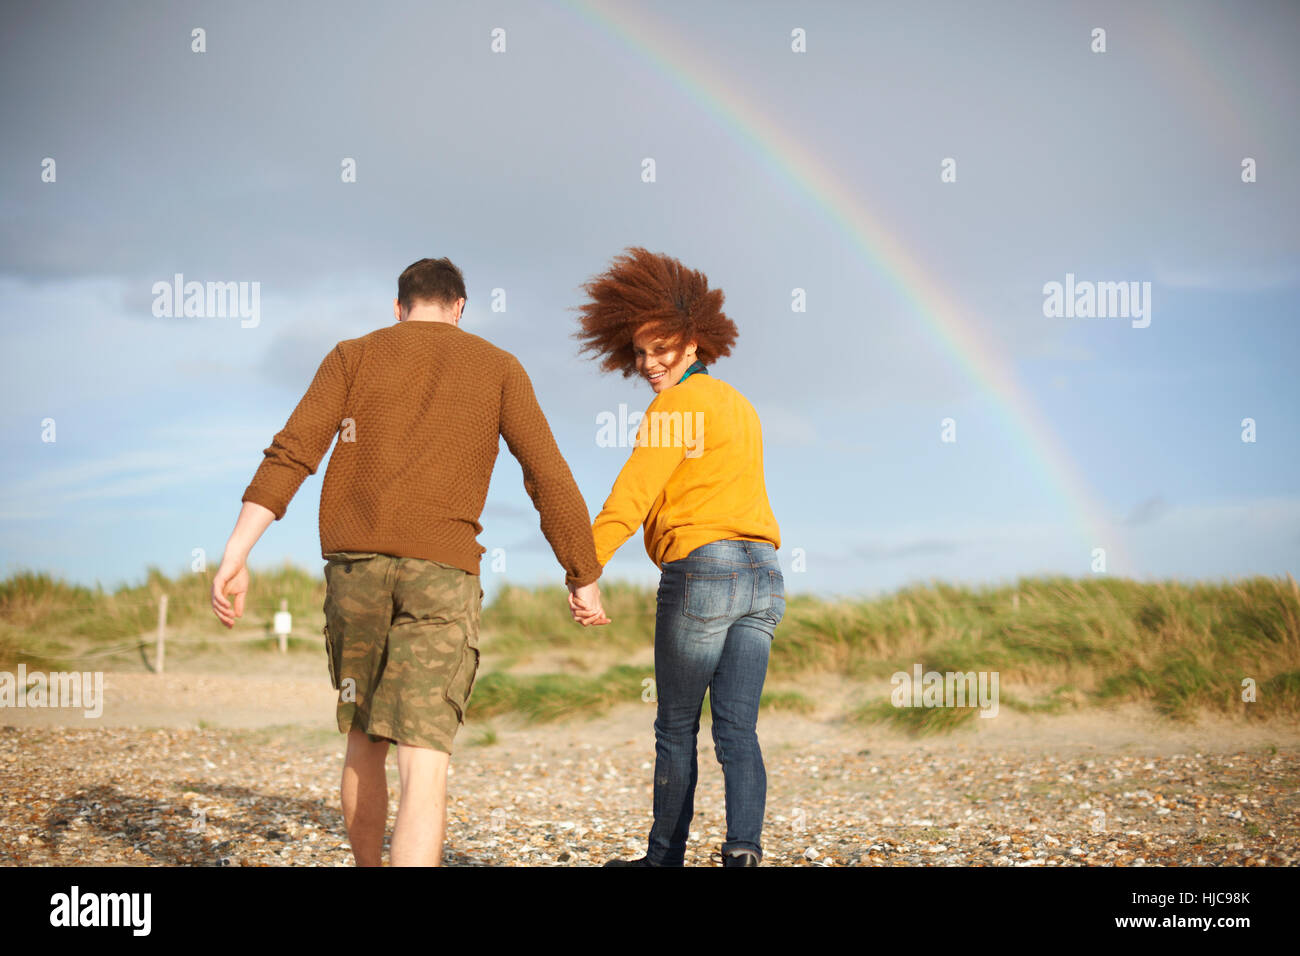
175	797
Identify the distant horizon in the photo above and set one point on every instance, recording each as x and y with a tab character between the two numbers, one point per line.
492	584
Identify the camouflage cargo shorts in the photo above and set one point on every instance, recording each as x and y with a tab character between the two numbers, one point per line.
401	635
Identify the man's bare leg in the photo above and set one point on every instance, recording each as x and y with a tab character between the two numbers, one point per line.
365	797
422	810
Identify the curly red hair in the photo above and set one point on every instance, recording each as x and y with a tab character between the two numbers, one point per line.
641	288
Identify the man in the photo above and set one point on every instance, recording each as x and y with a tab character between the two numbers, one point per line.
418	408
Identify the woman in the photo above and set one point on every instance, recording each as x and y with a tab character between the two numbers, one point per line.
695	481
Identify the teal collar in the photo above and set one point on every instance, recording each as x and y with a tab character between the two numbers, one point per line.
696	366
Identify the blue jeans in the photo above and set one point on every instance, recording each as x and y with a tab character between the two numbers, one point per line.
717	612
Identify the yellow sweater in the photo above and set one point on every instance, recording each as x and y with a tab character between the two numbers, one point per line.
694	477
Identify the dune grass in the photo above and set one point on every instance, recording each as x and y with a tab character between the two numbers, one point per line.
1180	647
1061	643
49	623
546	697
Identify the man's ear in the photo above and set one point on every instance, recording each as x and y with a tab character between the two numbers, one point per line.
397	310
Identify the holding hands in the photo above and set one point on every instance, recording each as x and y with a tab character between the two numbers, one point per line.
584	602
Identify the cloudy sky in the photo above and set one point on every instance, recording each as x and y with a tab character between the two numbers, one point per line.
774	170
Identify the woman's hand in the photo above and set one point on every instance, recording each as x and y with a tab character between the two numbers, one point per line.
584	602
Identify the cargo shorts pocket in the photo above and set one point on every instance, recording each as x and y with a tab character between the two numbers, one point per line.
329	656
461	682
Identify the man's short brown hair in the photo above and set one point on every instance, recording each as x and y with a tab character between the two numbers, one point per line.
430	280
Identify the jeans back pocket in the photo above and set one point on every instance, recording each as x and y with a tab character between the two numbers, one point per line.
776	592
709	597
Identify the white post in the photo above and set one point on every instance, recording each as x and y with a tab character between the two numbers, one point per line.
283	625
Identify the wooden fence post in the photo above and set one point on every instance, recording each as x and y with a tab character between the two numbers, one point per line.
162	631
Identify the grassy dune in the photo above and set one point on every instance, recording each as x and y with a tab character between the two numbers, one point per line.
45	622
1056	643
1064	642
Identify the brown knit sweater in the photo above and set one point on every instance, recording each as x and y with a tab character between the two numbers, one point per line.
418	408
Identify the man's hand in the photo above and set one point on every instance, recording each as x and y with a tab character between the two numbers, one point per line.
584	602
232	576
232	579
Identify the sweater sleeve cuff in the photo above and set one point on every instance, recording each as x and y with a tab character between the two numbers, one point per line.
258	497
581	581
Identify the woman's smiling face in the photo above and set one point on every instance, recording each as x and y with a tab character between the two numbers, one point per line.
661	366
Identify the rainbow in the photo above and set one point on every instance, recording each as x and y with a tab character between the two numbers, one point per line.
844	205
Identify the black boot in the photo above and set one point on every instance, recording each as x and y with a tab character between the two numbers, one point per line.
736	858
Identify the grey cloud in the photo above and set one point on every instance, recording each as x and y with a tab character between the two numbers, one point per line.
1147	511
871	553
